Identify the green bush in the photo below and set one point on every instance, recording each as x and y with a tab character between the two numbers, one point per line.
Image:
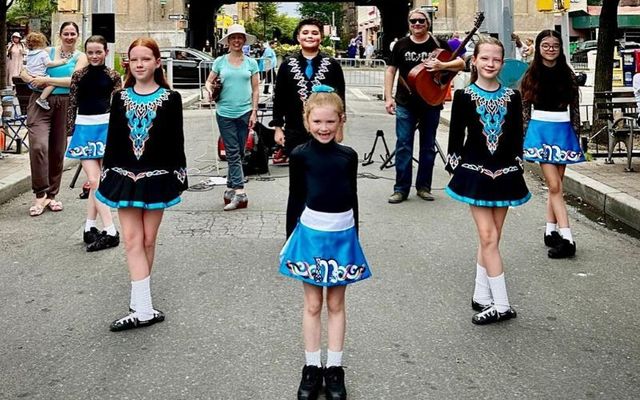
117	64
287	50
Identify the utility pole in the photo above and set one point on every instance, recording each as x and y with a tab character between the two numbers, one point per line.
86	27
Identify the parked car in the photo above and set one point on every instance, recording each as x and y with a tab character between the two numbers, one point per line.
187	63
580	54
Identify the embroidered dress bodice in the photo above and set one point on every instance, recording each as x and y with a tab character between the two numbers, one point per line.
485	148
141	111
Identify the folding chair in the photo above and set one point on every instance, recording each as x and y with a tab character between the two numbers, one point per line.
16	124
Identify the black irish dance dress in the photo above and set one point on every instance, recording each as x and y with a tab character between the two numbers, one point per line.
487	167
88	113
144	162
322	213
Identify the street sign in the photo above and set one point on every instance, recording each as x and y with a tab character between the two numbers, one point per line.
430	9
176	16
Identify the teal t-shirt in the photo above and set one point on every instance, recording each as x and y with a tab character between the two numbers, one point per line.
62	71
235	98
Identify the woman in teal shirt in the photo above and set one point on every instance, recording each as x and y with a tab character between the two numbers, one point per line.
47	128
236	108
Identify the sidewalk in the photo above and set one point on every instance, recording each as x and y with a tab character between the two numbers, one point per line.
15	174
606	187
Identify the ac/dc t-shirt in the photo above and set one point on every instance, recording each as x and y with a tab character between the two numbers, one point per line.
405	55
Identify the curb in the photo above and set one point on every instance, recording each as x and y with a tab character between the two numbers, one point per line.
607	200
20	182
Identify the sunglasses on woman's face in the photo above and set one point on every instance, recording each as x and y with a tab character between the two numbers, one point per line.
420	21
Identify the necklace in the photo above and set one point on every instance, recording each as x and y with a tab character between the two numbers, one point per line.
64	54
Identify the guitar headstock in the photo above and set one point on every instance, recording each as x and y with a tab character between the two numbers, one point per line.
478	20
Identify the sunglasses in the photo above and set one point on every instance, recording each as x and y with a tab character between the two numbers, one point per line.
418	21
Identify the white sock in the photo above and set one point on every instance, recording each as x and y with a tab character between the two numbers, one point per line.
111	230
566	234
499	292
482	292
90	223
141	297
551	227
313	358
334	358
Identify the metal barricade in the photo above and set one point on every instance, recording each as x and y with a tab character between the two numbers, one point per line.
362	72
204	69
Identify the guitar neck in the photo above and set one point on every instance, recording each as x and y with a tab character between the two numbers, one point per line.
476	26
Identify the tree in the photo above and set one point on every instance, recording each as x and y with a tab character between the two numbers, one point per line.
4	7
608	28
323	12
266	13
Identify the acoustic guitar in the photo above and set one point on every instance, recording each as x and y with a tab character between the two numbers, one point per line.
432	86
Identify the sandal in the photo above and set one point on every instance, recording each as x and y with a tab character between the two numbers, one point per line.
38	208
55	205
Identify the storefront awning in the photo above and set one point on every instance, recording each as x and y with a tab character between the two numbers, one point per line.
593	21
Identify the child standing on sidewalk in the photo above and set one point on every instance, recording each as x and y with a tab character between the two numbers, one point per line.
144	170
487	170
38	60
322	249
88	120
550	88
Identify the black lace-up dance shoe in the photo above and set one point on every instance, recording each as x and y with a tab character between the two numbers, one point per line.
311	383
334	384
491	314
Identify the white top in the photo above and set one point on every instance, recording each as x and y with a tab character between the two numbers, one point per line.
37	61
636	89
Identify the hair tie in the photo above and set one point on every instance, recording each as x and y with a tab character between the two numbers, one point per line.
322	89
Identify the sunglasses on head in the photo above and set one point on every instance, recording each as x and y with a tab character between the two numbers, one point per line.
418	20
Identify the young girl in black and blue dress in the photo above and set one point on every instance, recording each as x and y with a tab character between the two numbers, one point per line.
552	120
322	249
88	119
485	158
144	170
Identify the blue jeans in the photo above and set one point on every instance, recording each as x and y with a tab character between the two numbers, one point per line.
234	133
406	121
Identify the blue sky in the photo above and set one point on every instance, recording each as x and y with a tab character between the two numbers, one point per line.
290	9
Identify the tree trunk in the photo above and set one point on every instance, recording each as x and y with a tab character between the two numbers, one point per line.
3	44
608	28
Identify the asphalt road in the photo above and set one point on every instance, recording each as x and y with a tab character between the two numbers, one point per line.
233	323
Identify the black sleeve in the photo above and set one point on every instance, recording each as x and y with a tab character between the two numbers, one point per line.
280	95
340	84
297	191
178	129
353	176
456	131
72	110
112	132
517	127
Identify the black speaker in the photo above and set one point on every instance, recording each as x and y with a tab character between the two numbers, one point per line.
104	25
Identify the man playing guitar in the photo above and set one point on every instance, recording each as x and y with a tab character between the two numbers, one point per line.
410	109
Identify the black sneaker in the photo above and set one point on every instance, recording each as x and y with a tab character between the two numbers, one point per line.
491	314
479	306
131	321
334	384
91	235
565	249
553	239
104	241
311	383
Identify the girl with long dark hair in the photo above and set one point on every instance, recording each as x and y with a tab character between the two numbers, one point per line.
552	121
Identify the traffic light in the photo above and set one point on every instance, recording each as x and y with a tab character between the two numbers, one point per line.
552	5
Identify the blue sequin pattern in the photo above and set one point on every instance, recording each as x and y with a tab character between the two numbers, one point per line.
141	111
492	108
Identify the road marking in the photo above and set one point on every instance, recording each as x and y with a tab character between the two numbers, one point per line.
359	94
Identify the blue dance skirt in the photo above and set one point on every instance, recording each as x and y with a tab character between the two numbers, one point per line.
551	139
324	250
89	137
